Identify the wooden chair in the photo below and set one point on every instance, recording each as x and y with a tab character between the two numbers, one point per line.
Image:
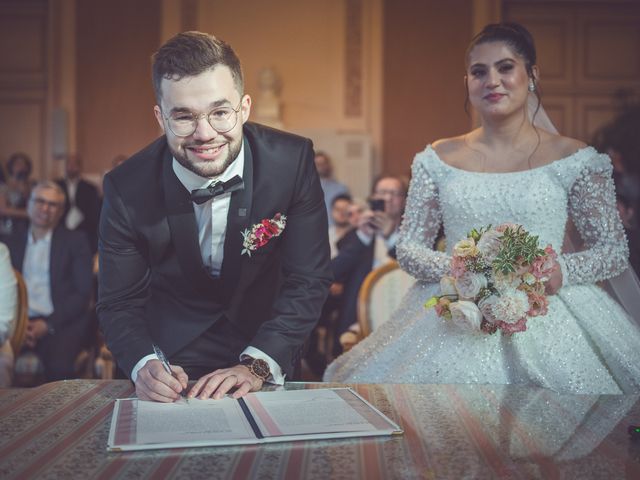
22	315
380	295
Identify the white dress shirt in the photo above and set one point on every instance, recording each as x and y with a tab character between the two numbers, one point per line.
211	218
35	270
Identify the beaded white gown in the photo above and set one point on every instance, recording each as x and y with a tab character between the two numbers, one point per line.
585	344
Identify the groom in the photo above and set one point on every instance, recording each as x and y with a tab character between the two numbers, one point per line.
213	239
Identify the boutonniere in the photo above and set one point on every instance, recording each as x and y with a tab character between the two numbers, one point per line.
260	233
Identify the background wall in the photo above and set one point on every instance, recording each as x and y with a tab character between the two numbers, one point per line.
115	100
423	70
371	81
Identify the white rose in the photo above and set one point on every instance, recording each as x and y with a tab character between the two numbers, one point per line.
448	286
489	245
504	282
465	248
510	306
469	284
486	307
466	315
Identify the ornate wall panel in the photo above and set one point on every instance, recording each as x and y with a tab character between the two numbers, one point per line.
594	112
609	52
588	57
560	109
353	58
24	80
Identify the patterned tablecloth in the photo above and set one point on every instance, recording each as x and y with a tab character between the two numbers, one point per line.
59	430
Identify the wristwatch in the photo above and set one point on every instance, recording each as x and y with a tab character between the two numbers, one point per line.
257	367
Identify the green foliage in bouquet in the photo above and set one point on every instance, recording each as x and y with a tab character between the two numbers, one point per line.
519	247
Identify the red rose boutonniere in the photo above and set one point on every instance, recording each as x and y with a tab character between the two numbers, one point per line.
260	233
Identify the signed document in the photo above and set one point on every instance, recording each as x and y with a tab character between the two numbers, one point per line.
259	417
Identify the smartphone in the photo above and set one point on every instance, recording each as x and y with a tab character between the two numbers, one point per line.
376	204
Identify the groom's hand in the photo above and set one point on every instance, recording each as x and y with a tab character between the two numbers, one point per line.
217	384
154	383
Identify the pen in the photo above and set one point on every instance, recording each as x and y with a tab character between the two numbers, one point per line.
165	363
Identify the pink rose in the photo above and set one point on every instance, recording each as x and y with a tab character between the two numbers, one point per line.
489	245
538	304
458	266
513	226
509	328
544	265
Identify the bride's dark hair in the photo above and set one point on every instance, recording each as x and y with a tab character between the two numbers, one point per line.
520	41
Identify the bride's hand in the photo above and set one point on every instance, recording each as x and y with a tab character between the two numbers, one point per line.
555	281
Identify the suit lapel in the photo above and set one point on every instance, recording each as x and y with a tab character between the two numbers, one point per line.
183	227
20	248
237	221
55	261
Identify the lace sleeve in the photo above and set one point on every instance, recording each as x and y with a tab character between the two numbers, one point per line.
420	227
592	206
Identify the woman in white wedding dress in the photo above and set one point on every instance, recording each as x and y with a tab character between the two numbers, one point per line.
508	171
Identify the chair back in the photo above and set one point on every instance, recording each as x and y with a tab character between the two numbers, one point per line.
22	315
380	295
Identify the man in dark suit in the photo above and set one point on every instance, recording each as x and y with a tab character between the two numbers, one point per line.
228	282
369	246
56	265
82	207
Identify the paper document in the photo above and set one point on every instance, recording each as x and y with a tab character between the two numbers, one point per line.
257	418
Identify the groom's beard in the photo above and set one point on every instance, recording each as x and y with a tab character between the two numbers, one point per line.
208	169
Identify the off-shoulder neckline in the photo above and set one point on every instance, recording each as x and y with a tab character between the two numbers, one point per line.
547	165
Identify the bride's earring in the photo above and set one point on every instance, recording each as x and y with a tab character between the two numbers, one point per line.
532	85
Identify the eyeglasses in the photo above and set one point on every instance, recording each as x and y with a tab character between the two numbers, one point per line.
221	119
41	202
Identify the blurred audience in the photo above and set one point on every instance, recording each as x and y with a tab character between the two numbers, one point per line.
82	207
8	305
368	246
57	268
14	192
330	186
627	201
340	221
620	140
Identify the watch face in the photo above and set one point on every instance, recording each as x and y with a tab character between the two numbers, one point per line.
260	368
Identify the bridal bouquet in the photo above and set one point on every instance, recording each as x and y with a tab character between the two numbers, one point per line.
497	280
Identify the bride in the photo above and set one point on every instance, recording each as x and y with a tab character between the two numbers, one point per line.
508	171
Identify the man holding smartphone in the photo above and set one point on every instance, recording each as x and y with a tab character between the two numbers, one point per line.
368	246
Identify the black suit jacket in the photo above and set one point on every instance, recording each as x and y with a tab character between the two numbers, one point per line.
70	272
153	285
88	201
350	267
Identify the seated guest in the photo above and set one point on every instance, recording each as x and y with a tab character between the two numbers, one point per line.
330	186
368	246
340	225
8	303
319	349
82	208
14	192
56	265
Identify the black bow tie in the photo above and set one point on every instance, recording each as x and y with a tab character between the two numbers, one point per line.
201	195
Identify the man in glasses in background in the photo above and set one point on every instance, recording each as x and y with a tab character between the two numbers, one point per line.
213	239
56	264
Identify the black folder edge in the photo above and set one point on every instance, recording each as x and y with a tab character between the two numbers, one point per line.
250	419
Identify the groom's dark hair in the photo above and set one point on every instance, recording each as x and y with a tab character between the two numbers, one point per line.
191	53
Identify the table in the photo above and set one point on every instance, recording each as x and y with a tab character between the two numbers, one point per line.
59	430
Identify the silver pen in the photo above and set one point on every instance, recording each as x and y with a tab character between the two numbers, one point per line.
165	363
